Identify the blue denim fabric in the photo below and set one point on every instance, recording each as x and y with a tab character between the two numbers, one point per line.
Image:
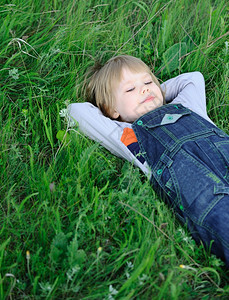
189	160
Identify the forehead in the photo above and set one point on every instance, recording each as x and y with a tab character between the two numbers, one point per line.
128	76
121	69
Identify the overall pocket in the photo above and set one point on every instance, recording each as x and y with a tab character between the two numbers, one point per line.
215	155
223	147
174	130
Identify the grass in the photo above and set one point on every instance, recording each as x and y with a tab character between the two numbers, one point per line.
77	222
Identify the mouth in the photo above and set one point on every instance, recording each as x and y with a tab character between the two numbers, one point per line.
148	99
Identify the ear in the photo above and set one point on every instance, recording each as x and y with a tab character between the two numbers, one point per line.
115	114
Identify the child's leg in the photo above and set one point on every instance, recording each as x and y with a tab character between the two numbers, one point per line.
199	179
215	227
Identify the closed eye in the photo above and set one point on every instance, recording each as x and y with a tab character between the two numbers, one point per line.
148	82
130	90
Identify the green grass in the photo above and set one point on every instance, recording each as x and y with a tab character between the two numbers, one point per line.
92	224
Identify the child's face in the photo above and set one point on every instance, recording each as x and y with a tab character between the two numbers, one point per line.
135	95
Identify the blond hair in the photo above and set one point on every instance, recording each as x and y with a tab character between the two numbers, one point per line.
102	83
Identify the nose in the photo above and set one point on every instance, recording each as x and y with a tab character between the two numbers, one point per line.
144	90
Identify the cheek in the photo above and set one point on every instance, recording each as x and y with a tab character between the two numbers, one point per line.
116	99
158	91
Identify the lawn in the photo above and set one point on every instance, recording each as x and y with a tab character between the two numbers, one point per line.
75	221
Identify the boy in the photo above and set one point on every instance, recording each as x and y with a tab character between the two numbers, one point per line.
177	145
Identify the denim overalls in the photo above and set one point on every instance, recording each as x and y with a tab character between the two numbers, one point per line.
189	160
